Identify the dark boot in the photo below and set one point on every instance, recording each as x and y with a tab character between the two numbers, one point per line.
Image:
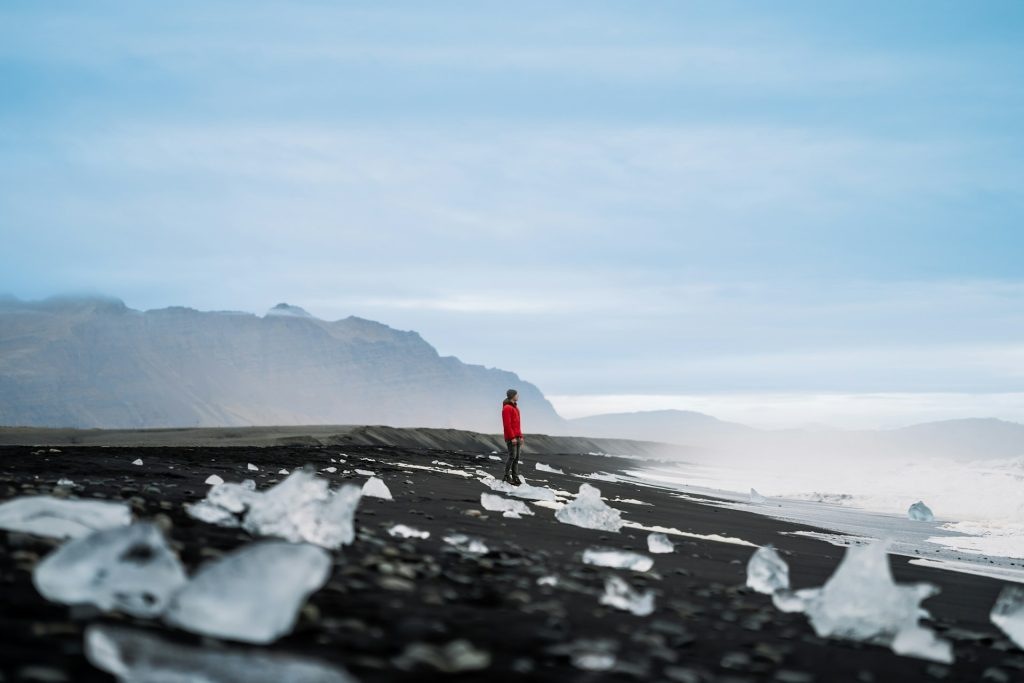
516	481
508	473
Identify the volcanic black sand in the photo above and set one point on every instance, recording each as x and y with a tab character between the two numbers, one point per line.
386	595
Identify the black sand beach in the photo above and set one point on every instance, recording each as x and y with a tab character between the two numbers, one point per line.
387	596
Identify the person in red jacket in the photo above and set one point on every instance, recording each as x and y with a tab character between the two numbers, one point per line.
513	436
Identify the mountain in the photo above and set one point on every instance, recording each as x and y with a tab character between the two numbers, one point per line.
94	362
668	426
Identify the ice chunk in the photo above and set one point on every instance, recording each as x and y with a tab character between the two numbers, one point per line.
137	461
252	468
467	544
619	559
550	580
524	490
365	473
620	595
330	470
548	468
767	572
495	457
589	511
602	476
64	481
1008	613
508	508
860	601
919	512
127	568
136	656
282	471
403	531
300	508
61	518
376	488
252	594
213	480
659	543
756	497
455	657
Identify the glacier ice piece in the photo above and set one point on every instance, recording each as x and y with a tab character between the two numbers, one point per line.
330	470
137	656
603	476
548	468
659	543
618	559
767	572
64	481
252	594
127	568
861	601
376	488
508	508
467	544
137	461
1008	613
403	531
214	480
300	508
756	497
919	512
587	510
282	471
365	473
524	490
60	517
252	468
549	580
620	595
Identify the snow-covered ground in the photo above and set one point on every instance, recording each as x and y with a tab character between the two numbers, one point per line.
978	506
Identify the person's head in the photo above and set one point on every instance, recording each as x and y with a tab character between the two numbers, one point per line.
512	395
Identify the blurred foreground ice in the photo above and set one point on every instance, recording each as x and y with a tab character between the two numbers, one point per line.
300	508
524	490
508	508
135	656
130	569
619	559
1008	613
861	601
61	518
620	595
589	511
767	572
548	468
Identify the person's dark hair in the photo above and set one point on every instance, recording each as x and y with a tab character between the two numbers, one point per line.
511	394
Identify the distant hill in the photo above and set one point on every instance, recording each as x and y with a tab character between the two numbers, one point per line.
94	362
669	426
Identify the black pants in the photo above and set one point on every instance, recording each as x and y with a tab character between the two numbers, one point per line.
512	464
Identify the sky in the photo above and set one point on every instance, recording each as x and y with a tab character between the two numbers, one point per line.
790	213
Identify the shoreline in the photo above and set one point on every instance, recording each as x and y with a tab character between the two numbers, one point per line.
386	595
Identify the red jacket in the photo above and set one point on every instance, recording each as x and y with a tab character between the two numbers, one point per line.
510	419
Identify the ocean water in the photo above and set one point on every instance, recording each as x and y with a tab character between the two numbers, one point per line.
978	505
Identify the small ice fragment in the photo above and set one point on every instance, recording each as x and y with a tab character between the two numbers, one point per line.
61	518
550	580
617	559
659	543
467	544
365	473
330	470
510	508
548	468
860	601
919	512
1008	613
767	572
441	463
495	457
253	594
455	657
524	490
137	461
65	482
602	476
587	510
282	471
376	488
252	468
403	531
126	568
794	601
213	480
620	595
756	497
138	656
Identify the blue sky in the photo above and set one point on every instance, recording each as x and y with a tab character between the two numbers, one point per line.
631	205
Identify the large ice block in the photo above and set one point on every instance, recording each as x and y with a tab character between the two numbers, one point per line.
767	572
659	543
919	512
1008	613
60	517
376	488
126	568
620	595
508	508
587	510
137	656
252	594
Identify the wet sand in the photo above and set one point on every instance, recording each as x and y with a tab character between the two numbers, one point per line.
389	598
